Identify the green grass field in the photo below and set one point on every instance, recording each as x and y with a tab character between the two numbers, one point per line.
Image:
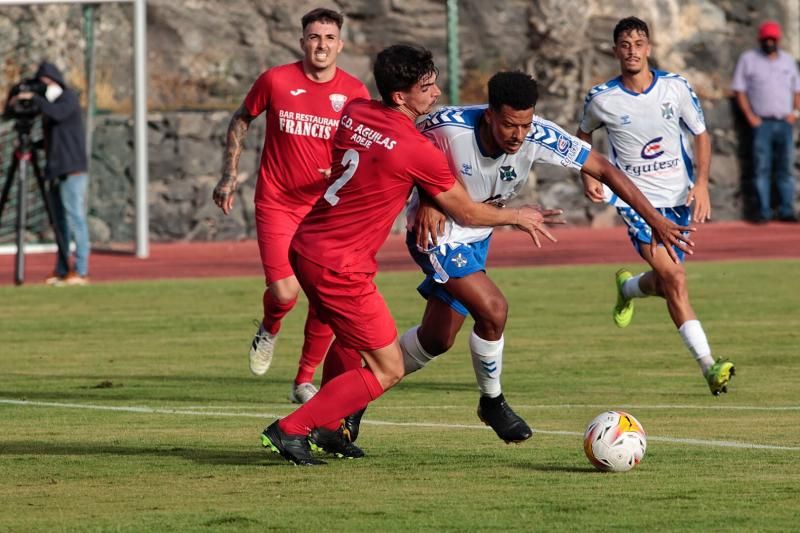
129	407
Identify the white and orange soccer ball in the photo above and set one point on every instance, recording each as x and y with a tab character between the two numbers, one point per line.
614	441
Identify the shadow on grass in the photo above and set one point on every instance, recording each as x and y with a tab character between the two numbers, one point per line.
198	455
142	388
557	468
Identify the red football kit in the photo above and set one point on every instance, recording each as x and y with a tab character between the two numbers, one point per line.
378	157
302	117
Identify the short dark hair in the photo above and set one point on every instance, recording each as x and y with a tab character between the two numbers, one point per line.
399	67
515	89
322	15
630	24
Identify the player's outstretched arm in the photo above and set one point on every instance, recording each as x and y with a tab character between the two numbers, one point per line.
457	203
237	131
664	231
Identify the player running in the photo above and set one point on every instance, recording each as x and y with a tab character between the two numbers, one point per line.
648	115
379	156
303	102
491	149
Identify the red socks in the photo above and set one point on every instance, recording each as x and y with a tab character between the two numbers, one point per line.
339	361
340	397
274	311
318	336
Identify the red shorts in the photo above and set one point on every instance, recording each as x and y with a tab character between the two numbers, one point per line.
275	229
349	303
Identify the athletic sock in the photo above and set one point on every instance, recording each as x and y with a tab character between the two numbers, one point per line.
274	311
414	355
339	360
318	337
340	397
695	339
631	289
487	361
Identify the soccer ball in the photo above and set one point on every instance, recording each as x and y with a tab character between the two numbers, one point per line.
614	441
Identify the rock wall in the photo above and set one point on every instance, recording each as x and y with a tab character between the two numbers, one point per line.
204	54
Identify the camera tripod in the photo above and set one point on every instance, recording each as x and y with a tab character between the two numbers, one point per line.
25	158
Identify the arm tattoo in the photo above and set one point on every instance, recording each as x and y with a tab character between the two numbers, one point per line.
237	131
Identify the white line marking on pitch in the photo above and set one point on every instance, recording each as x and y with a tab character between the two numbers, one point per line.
168	411
776	408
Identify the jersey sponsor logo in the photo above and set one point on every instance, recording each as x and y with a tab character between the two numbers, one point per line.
507	173
654	168
652	149
337	101
366	136
466	169
297	92
497	200
306	125
667	111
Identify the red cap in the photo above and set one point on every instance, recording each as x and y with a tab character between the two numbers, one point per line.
769	30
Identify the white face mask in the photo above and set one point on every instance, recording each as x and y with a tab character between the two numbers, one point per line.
53	91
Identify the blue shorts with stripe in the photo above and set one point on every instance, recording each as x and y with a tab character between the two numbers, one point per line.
445	262
639	231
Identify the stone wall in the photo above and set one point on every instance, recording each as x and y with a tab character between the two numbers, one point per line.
203	55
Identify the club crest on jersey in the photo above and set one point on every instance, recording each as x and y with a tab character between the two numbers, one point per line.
667	111
466	169
652	149
337	101
459	260
507	173
624	120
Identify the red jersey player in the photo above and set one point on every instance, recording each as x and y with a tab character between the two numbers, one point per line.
303	102
378	157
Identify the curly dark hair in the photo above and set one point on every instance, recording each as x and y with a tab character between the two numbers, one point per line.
399	67
630	24
514	89
322	15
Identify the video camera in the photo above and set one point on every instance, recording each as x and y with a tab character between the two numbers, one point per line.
24	109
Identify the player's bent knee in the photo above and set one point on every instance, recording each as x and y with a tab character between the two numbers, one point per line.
389	377
495	313
285	291
674	280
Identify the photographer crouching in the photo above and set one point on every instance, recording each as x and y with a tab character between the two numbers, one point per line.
66	169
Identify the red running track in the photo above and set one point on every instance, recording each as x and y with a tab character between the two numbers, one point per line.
576	245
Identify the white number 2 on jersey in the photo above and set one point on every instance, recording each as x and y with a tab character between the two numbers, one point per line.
350	162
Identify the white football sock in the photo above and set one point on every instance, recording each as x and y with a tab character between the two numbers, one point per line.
487	361
695	339
414	355
631	289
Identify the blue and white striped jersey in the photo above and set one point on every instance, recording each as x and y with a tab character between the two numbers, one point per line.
648	134
455	131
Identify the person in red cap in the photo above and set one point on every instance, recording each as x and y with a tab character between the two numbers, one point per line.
766	84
